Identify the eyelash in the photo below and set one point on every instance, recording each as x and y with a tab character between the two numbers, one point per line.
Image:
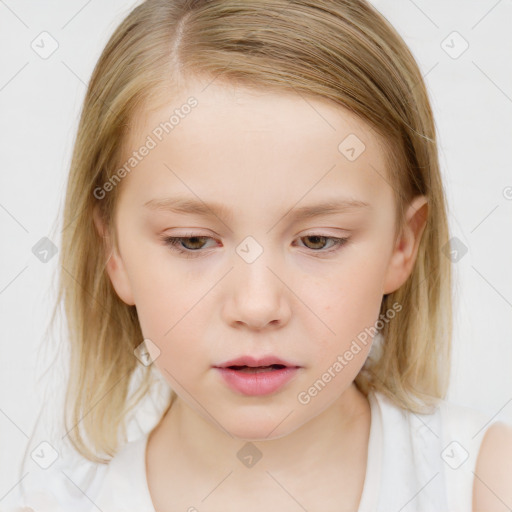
173	241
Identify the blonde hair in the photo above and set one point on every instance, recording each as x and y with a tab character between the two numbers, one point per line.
342	51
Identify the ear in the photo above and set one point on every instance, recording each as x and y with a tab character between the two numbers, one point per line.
114	264
404	254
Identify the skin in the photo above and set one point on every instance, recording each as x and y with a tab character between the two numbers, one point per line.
261	154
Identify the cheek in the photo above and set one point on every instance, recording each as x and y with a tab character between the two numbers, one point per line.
166	312
347	306
349	300
167	318
164	297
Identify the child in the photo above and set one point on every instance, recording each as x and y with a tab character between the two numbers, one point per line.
255	217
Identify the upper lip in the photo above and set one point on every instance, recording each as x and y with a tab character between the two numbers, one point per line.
254	362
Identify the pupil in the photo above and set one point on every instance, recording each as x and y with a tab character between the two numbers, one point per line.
193	241
316	239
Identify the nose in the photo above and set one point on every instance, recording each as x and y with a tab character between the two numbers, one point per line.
258	295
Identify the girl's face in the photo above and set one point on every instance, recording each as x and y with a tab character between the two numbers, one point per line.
248	176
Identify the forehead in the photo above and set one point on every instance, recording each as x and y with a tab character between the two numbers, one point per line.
217	140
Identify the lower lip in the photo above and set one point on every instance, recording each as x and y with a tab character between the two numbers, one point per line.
257	384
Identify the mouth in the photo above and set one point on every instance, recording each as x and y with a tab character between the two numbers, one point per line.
249	363
257	380
257	369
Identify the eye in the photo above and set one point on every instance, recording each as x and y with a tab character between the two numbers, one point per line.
317	240
196	243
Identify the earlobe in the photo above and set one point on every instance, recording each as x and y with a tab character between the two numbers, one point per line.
405	251
114	265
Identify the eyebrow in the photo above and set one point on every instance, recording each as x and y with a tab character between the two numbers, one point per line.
192	206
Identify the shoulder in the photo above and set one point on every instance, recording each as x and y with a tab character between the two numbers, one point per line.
488	487
492	488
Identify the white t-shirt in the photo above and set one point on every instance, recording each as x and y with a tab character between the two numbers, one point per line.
416	462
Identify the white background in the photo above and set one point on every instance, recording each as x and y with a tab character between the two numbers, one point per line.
40	100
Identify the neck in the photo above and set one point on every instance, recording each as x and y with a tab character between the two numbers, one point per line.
206	449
